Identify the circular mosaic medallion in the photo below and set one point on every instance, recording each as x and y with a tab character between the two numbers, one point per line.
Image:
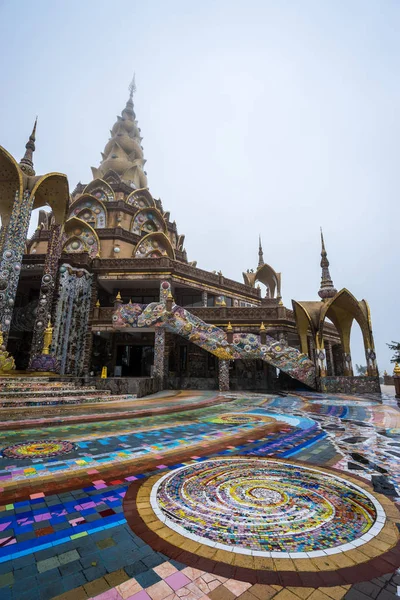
260	506
38	449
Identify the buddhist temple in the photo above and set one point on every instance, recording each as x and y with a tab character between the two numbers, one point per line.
107	274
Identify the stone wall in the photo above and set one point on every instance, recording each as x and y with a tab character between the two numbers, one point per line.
349	385
141	386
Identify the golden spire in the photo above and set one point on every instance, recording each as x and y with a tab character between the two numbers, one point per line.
396	370
118	296
26	163
229	328
98	303
262	327
123	153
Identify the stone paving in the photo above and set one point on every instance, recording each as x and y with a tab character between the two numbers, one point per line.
64	531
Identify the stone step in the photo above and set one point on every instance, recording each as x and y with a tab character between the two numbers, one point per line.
36	386
53	393
64	400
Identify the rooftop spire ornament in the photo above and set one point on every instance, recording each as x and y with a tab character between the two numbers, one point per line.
26	163
132	86
327	289
260	253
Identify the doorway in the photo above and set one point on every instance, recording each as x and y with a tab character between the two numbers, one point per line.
135	360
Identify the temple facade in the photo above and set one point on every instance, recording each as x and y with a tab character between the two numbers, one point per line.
105	281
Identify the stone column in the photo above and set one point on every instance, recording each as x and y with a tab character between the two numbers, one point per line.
47	286
223	375
159	354
11	260
372	367
204	297
331	357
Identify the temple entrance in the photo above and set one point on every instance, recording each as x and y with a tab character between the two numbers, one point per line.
134	360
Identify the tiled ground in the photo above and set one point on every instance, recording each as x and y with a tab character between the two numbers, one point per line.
63	532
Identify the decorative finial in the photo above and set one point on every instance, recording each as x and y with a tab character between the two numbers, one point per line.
260	253
98	304
26	163
262	327
118	297
229	328
327	289
47	338
132	86
396	370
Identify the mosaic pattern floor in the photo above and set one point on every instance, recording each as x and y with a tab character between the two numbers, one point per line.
322	470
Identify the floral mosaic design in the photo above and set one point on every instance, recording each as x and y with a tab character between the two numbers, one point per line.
214	340
264	506
38	449
91	210
80	237
100	190
154	245
147	221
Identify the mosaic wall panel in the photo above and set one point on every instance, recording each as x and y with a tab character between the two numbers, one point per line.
11	260
71	319
147	221
90	210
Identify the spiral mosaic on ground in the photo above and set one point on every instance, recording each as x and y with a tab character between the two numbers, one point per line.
261	506
38	449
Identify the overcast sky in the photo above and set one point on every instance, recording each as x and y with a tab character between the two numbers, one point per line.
257	116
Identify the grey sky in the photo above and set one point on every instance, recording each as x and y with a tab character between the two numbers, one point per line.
257	117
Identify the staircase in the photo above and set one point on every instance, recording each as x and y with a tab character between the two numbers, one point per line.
17	392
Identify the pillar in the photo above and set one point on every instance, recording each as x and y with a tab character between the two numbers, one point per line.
320	356
329	344
159	354
11	259
223	375
371	362
87	358
47	286
204	297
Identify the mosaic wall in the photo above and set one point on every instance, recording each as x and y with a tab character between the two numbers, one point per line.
147	221
264	506
152	247
72	315
90	210
80	238
140	199
100	190
11	260
213	339
350	385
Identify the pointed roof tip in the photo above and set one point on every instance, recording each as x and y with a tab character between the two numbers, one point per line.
132	86
322	240
260	252
327	289
33	134
26	163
